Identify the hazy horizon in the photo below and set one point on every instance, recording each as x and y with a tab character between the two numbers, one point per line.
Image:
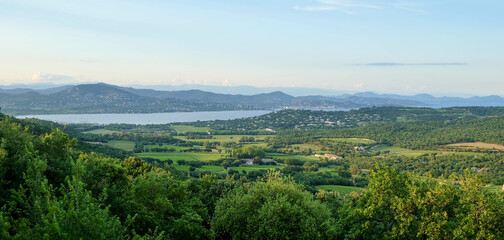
407	47
241	89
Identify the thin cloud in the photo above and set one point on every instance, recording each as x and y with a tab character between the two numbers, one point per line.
408	6
392	64
348	6
50	77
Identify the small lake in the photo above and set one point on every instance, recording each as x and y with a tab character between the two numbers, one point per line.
147	118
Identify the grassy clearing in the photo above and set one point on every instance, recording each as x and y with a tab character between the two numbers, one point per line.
188	156
177	148
186	128
224	138
403	151
101	131
476	145
338	188
285	156
124	145
257	144
401	119
495	188
326	169
351	140
257	168
301	147
237	137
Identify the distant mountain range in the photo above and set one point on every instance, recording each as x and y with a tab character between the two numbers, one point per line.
105	98
431	101
247	90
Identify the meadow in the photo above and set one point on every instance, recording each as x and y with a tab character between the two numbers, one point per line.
286	156
187	156
306	146
187	128
225	138
124	145
351	140
403	151
476	145
101	131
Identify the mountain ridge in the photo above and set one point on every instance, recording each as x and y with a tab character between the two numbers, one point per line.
105	98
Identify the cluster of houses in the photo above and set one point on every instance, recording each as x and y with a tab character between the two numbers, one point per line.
359	148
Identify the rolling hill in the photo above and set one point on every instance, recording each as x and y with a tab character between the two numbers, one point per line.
106	98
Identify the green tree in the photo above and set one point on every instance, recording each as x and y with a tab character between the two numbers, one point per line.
70	213
161	203
274	208
250	152
310	167
355	171
56	149
403	206
481	213
16	150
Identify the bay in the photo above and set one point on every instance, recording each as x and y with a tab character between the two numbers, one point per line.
146	118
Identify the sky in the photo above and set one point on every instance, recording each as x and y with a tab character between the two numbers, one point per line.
441	47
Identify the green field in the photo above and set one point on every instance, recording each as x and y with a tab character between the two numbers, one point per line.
177	148
188	156
351	140
186	128
495	188
285	156
326	169
101	131
257	168
124	145
313	147
403	151
224	138
476	145
338	188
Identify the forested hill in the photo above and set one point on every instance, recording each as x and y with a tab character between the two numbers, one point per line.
100	98
105	98
309	119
